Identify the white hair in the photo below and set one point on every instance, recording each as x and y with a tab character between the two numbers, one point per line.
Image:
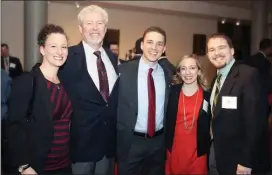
91	9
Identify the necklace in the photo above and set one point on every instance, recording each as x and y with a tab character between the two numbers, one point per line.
189	128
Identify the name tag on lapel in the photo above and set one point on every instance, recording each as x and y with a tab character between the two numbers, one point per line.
229	102
205	106
12	65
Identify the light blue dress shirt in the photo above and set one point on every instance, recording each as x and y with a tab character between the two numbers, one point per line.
224	72
159	82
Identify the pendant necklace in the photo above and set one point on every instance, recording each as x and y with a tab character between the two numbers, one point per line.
189	128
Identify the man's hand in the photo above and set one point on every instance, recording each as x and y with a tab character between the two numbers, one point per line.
243	170
29	171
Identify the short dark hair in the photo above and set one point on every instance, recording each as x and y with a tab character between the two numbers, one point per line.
112	43
220	35
265	44
5	45
138	49
47	30
155	29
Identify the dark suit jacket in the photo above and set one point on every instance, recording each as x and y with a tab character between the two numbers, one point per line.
260	62
93	125
13	71
203	122
128	103
29	138
238	131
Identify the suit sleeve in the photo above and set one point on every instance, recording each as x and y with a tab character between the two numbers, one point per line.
254	118
19	67
17	124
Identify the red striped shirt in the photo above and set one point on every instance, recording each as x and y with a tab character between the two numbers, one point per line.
58	156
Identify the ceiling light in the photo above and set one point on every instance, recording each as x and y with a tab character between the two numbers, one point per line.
77	4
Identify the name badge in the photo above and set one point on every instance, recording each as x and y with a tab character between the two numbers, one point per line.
12	65
205	106
229	102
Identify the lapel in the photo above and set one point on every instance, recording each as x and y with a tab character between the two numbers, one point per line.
79	53
168	78
206	98
113	59
2	63
227	86
132	84
172	109
42	91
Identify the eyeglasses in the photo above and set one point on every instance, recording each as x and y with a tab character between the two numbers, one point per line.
218	49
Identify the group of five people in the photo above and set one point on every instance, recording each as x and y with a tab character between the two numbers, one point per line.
80	112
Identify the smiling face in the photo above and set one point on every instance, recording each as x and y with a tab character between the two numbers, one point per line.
219	52
153	45
55	49
188	71
93	28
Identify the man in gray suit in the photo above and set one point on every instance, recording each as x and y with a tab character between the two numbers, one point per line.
143	94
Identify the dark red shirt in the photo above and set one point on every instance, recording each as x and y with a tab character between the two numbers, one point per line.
58	156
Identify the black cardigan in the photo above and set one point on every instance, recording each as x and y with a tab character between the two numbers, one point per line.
203	122
29	139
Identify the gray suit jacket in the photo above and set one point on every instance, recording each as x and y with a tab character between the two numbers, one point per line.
128	103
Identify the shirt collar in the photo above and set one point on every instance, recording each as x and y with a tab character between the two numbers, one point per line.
92	50
147	66
263	54
225	70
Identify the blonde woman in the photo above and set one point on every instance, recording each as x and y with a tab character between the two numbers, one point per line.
188	120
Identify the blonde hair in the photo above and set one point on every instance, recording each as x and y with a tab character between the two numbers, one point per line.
201	80
90	9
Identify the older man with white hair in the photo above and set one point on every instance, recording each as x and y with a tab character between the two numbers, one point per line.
90	77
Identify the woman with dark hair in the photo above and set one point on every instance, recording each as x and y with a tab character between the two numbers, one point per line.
40	110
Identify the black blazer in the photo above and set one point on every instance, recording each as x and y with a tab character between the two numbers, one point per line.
203	122
15	71
29	141
128	103
93	123
237	132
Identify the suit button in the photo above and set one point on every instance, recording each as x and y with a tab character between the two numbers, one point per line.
107	105
105	123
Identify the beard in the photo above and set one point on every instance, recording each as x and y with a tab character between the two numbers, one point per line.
95	42
221	57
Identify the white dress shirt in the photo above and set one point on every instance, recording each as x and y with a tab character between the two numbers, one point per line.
159	82
92	66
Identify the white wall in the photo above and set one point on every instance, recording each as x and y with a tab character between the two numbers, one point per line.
12	26
131	24
180	29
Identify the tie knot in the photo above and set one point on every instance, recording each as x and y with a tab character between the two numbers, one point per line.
97	53
218	77
150	70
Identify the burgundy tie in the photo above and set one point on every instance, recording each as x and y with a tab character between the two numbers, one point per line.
103	78
151	104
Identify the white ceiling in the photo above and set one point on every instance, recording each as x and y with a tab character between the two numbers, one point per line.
246	4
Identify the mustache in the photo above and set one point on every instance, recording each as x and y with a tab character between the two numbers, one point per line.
218	56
